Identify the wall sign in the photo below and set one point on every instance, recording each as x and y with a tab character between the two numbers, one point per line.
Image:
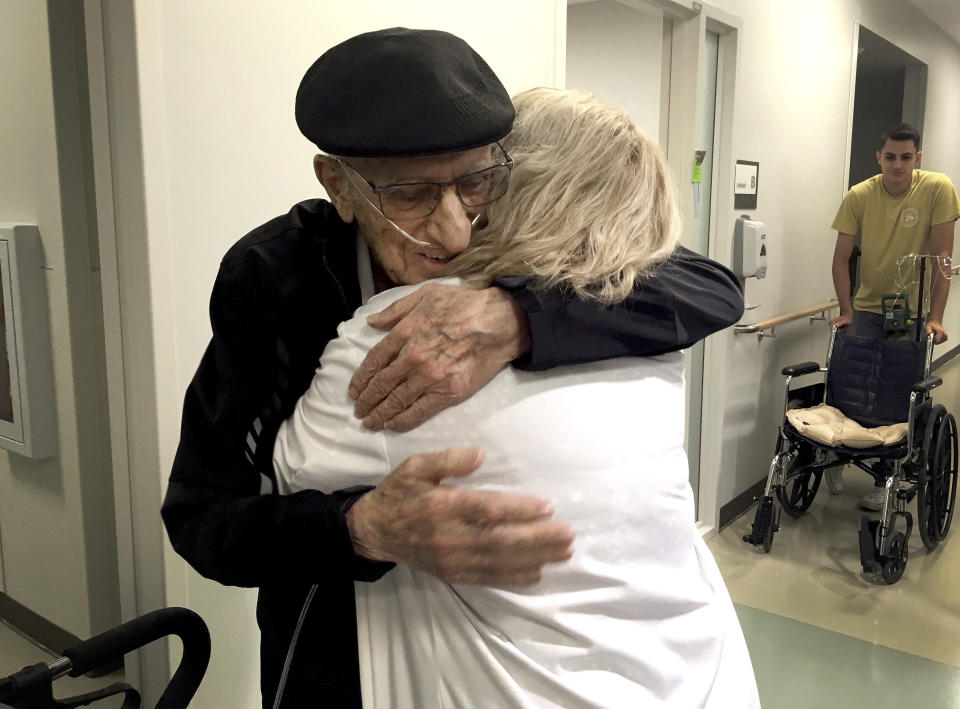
745	184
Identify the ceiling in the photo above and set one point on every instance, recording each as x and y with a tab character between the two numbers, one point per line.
945	13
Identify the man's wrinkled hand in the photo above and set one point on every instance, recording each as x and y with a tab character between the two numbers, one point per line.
936	329
444	343
458	535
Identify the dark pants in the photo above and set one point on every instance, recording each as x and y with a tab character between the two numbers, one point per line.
866	324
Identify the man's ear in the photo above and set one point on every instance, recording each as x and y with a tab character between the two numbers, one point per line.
919	153
331	176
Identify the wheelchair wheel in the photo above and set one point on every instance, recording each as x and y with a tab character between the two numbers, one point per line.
896	562
798	492
945	476
937	481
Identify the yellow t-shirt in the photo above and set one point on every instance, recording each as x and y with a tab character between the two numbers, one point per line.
891	227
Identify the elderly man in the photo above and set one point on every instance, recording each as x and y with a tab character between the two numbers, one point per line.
408	123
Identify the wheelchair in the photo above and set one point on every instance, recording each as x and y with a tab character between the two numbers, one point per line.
875	383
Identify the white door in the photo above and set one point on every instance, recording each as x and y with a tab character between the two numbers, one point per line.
615	51
622	53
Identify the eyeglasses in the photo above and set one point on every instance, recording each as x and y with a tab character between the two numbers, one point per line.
415	200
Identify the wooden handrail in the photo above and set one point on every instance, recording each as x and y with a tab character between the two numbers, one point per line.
945	359
781	319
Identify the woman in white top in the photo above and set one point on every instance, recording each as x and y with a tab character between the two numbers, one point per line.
639	615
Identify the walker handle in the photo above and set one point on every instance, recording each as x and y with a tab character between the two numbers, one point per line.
187	625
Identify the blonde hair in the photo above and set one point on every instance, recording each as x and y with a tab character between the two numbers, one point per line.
591	204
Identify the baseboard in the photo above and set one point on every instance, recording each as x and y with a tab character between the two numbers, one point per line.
49	636
741	503
37	628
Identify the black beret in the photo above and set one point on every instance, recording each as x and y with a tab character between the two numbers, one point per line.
402	92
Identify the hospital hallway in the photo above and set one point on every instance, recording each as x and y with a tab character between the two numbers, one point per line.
151	352
821	634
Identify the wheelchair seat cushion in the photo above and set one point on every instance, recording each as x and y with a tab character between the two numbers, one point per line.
829	426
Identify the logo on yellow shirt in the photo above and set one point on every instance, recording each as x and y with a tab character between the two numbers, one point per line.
909	217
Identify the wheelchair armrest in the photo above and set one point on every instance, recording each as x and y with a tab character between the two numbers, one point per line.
927	384
795	370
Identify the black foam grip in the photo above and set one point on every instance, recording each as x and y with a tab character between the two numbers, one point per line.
796	370
182	622
927	384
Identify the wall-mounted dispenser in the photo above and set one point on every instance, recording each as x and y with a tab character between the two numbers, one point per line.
28	423
750	248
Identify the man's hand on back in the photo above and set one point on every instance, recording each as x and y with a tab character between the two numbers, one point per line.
444	344
458	535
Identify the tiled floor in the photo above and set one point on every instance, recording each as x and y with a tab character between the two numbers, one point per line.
801	666
822	635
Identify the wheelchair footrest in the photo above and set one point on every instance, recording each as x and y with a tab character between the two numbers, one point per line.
869	553
764	525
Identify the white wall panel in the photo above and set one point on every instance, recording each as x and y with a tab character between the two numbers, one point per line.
615	52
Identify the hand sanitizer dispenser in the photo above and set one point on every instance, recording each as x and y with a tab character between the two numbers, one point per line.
750	250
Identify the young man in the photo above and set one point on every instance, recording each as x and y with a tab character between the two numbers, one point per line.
406	121
902	210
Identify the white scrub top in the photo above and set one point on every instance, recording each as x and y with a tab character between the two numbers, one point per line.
638	617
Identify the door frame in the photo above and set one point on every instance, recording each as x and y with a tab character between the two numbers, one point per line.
111	47
722	219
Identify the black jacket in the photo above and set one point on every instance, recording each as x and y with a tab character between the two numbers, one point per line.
277	300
